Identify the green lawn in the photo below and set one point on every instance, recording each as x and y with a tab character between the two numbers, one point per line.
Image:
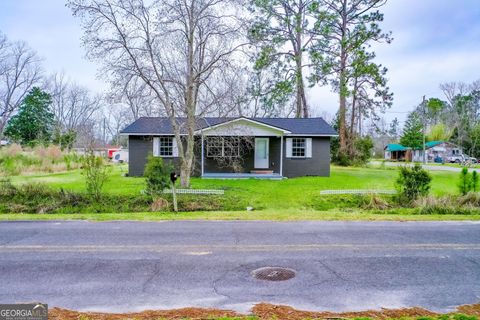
288	199
268	215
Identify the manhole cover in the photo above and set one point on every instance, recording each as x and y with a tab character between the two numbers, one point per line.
273	274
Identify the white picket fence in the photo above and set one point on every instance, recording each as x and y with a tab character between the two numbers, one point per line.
357	191
196	191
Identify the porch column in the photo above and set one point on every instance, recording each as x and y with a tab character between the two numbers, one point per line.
281	155
203	153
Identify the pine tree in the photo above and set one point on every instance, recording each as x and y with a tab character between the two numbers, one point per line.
412	132
34	122
394	130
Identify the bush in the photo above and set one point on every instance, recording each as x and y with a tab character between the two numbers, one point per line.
413	182
358	153
464	185
468	182
474	181
157	174
96	174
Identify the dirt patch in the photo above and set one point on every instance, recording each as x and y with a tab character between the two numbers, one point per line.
268	311
190	313
263	311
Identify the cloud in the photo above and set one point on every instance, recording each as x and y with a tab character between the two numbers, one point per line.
51	30
435	41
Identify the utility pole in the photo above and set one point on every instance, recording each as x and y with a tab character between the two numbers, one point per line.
423	130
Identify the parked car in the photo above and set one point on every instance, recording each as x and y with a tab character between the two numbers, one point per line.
471	159
458	158
120	156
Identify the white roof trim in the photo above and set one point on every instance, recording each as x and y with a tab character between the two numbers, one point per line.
311	135
240	119
199	133
149	134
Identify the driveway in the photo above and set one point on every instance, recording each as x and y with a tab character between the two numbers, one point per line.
129	266
425	166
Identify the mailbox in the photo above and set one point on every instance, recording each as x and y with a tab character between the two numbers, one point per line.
173	177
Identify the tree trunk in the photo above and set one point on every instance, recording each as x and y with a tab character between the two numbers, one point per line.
190	106
301	101
343	84
342	110
185	170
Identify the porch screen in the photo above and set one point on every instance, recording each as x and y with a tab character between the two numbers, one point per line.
223	147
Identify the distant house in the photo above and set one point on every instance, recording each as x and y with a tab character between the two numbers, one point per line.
435	151
396	152
280	147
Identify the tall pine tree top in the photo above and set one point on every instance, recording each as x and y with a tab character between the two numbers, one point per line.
412	132
34	121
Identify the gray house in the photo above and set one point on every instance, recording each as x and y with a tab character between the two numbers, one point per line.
238	147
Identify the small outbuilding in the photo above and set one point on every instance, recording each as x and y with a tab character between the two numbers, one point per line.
396	152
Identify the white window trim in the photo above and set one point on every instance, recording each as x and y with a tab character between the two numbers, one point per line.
156	147
289	148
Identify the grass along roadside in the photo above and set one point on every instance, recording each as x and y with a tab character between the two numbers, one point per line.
267	215
62	196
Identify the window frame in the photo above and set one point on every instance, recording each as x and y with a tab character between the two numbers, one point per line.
296	148
162	147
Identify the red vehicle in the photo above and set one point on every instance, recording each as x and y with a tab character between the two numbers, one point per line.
110	152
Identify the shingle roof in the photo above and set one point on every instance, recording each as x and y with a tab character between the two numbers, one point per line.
162	125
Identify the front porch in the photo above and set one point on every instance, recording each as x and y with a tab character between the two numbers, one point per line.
242	149
271	176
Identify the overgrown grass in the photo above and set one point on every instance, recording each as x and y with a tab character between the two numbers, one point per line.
15	160
39	198
289	199
288	193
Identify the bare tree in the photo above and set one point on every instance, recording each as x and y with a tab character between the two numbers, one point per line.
177	47
19	72
139	97
73	105
116	117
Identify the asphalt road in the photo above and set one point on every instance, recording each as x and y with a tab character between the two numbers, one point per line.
130	266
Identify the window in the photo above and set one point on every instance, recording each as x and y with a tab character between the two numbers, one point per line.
223	147
298	147
231	147
166	147
214	147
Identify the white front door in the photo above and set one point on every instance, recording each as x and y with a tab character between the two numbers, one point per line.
261	153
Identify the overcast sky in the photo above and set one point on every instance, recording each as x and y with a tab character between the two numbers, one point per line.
434	41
